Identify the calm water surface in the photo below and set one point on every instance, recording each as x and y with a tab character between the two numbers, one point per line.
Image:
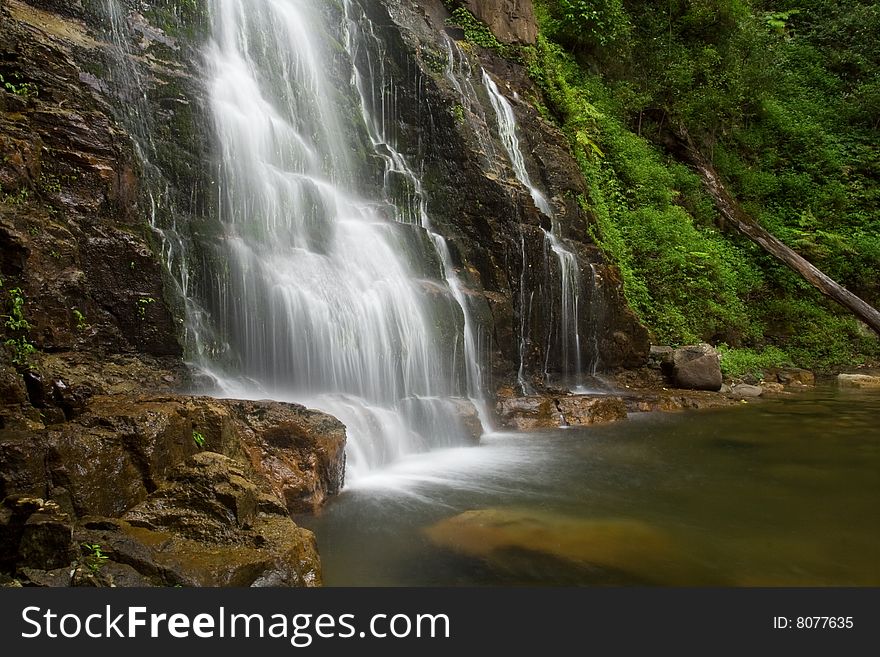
783	492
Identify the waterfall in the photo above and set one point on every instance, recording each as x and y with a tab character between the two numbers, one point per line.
567	333
317	287
373	82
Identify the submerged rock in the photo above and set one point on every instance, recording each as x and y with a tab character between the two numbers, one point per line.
635	549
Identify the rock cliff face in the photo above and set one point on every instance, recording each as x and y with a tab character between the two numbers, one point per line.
102	143
73	238
491	220
107	174
512	21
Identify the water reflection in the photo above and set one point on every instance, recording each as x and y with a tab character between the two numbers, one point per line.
778	493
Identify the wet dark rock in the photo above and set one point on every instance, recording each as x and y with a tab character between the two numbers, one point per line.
74	238
119	449
208	498
697	367
46	539
36	390
203	528
300	453
192	517
44	578
12	388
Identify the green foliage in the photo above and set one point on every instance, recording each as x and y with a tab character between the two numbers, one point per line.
95	557
682	278
737	363
199	439
17	325
586	24
142	304
24	89
784	100
478	33
18	198
80	319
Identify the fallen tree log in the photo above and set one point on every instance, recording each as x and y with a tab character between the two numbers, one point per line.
734	215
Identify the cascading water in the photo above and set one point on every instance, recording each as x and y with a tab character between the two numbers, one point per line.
312	286
567	332
459	74
373	83
167	220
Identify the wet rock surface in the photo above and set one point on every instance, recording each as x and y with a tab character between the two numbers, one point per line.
134	475
496	234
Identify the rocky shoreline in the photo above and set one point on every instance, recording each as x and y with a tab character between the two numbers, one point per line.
111	479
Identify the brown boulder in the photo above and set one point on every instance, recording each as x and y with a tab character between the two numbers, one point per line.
793	376
120	448
204	528
527	413
582	410
863	381
697	367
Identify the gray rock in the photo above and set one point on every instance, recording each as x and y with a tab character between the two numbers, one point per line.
696	367
660	356
745	390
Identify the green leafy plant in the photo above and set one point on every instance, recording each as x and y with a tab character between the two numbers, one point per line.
142	305
95	557
18	198
747	362
81	324
199	439
25	89
16	323
478	33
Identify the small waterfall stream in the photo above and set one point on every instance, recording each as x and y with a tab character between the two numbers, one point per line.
566	331
366	50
